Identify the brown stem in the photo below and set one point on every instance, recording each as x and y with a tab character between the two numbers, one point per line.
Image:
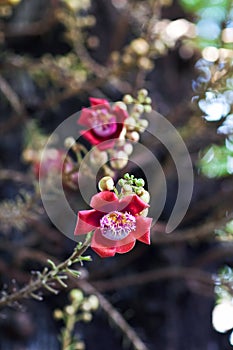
45	278
114	315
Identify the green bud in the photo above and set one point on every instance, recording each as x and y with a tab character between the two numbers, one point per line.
147	108
148	100
76	295
127	176
143	92
128	99
121	182
139	182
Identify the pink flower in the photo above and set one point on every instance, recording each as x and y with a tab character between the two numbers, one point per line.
116	223
104	123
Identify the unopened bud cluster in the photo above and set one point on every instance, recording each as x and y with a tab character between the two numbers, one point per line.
129	185
79	309
135	124
118	156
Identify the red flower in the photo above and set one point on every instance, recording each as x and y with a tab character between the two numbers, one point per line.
116	222
104	123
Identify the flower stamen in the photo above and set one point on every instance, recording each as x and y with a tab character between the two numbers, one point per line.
104	124
116	225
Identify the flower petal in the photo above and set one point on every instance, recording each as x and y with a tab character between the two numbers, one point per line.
87	221
120	113
90	136
125	248
105	201
132	204
102	246
85	117
98	101
101	142
142	232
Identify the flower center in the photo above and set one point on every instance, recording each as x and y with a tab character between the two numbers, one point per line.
117	225
104	124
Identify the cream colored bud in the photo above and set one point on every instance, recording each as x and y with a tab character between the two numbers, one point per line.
69	142
139	108
127	188
106	184
58	314
147	108
130	123
128	148
119	160
69	309
142	125
144	212
145	196
76	295
140	46
148	100
121	105
79	345
128	99
133	136
94	302
143	93
145	63
29	155
86	306
87	316
98	158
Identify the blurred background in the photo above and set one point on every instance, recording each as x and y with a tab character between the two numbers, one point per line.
175	294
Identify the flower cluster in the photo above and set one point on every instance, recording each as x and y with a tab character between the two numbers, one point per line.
114	129
117	220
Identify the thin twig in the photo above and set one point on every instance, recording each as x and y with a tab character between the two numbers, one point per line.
114	315
45	278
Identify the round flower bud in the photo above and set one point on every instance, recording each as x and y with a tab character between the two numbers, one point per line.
128	148
69	142
87	316
29	155
58	314
139	182
130	123
133	136
145	196
119	160
98	157
144	212
128	99
121	104
86	306
144	123
106	184
140	46
121	182
76	295
127	188
143	93
145	63
139	108
69	309
148	100
147	108
94	302
79	345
